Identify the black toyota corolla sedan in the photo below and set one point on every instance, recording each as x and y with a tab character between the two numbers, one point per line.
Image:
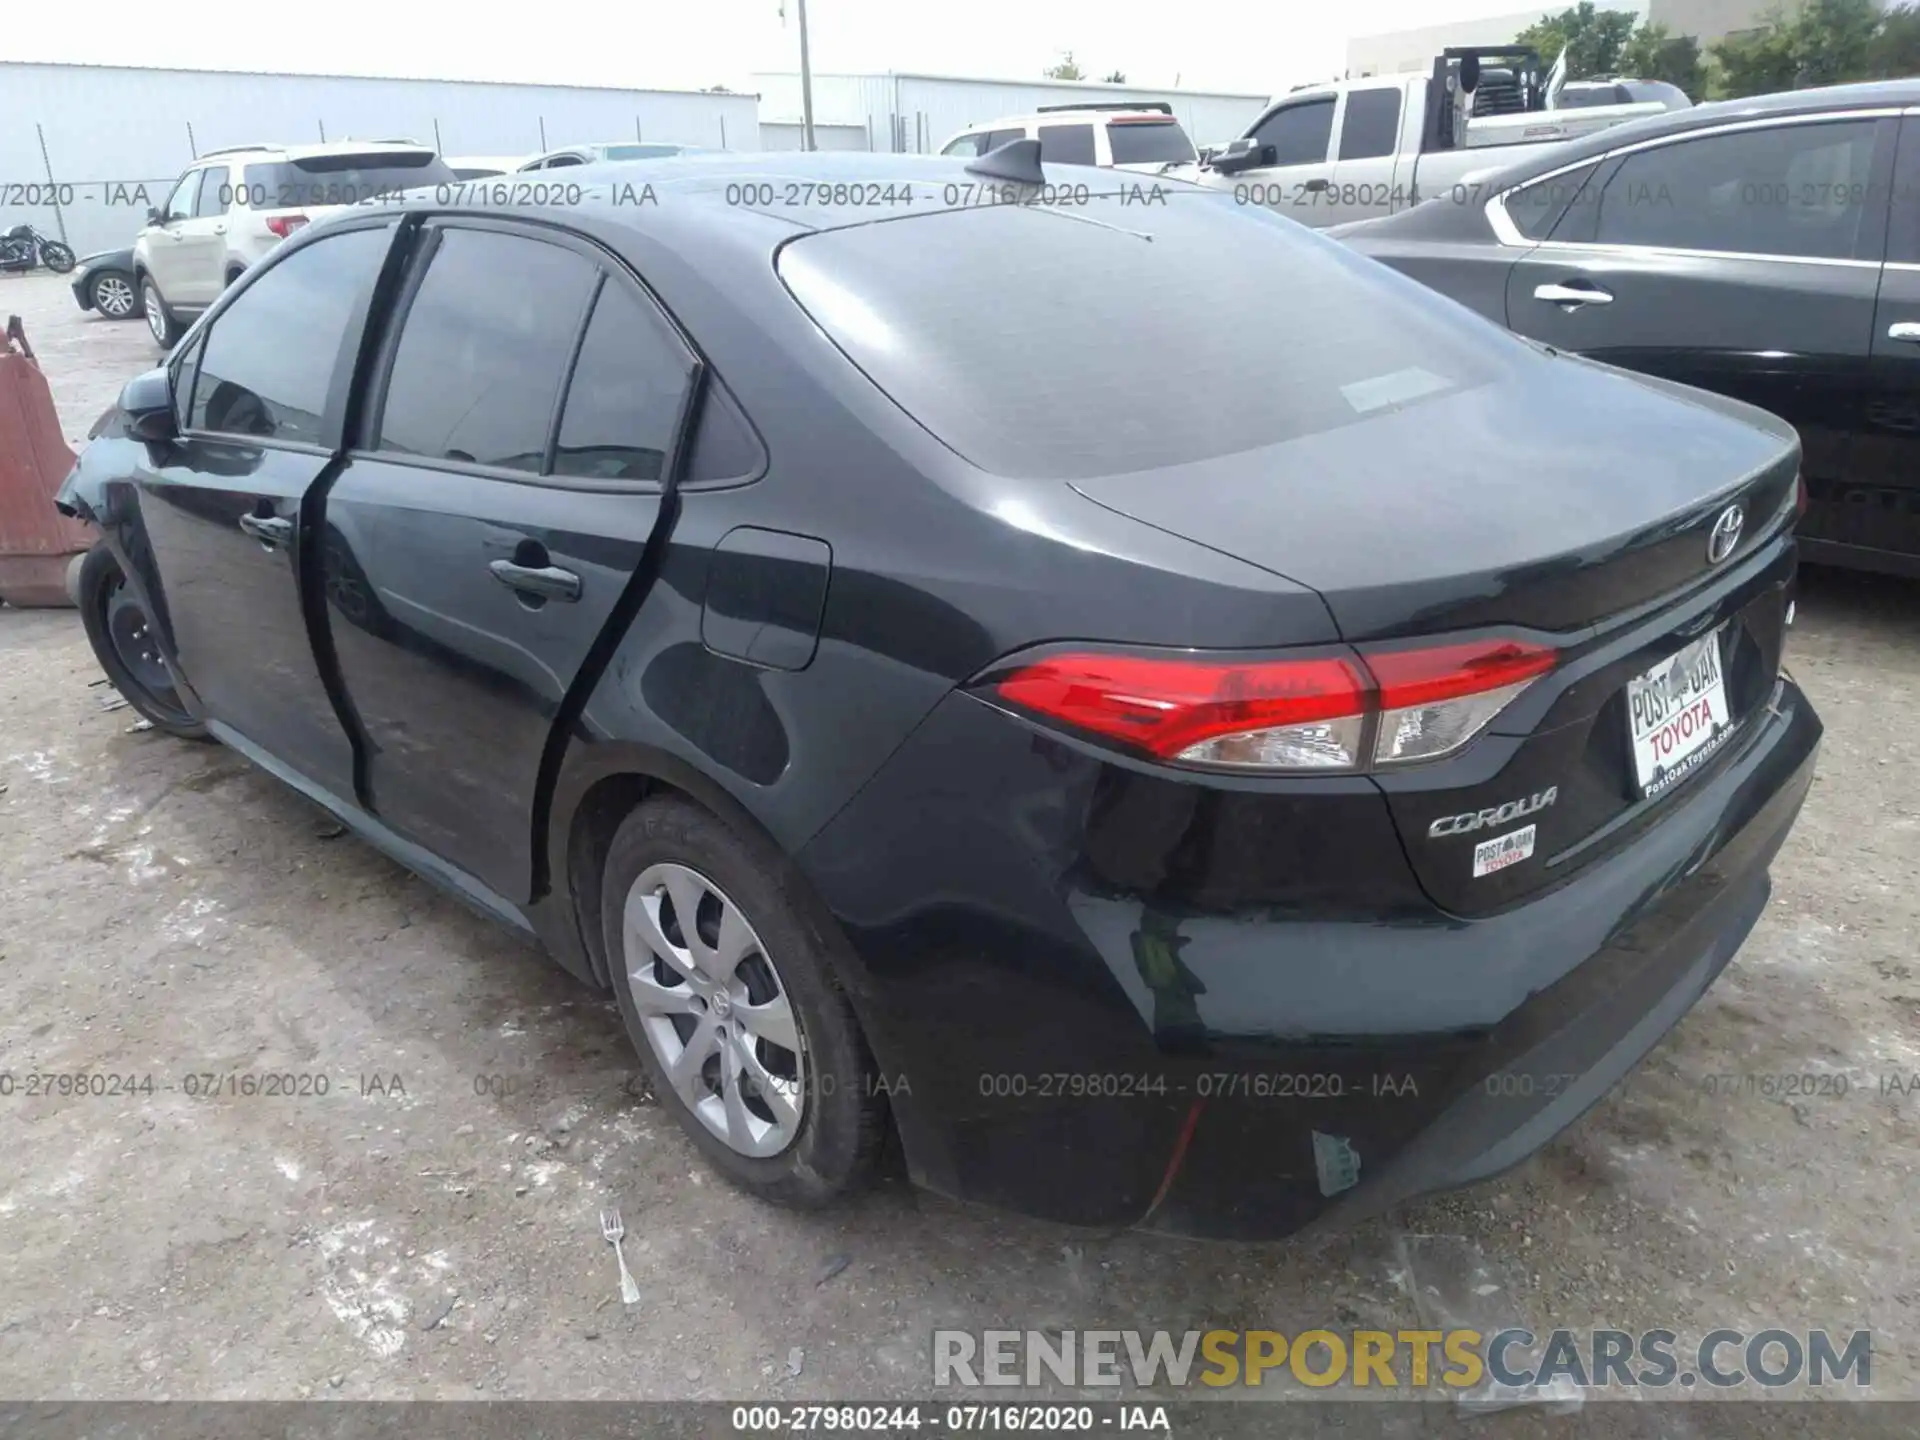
1206	756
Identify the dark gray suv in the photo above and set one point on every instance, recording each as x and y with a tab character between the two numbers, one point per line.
1768	249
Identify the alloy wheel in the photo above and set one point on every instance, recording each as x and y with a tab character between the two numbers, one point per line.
714	1010
113	296
156	314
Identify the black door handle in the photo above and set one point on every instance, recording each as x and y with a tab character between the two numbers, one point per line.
1313	184
268	529
549	582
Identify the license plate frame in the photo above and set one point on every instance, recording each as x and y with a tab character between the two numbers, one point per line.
1678	714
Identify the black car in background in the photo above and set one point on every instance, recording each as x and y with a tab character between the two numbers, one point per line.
104	284
794	599
1767	249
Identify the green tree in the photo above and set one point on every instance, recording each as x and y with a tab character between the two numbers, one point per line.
1118	77
1824	42
1753	62
1656	53
1833	41
1896	48
1065	69
1592	38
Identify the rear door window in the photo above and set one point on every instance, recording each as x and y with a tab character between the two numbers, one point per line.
997	138
1792	190
483	349
1372	124
1067	145
1149	142
629	385
251	381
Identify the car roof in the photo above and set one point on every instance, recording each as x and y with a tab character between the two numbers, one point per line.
730	211
1071	117
331	147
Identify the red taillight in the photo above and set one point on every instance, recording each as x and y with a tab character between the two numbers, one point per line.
1801	499
1307	714
285	225
1167	707
1447	672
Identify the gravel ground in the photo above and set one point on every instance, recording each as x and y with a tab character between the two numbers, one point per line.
429	1226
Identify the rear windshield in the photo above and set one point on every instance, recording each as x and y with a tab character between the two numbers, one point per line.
641	151
1149	142
349	179
1037	341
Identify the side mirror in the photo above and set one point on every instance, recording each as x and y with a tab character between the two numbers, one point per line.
1242	154
154	217
147	402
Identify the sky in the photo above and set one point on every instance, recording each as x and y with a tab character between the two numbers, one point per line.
1256	46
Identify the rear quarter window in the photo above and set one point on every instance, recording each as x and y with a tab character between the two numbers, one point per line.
1149	142
1067	145
1099	354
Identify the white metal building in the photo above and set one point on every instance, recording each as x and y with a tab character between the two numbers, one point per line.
91	146
916	114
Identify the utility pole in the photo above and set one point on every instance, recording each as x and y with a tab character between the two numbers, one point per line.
806	81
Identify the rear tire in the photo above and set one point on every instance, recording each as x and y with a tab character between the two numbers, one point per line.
161	324
121	635
834	1110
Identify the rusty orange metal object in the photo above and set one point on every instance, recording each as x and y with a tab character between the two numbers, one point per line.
37	542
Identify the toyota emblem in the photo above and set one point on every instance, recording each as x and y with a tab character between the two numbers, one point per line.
1726	534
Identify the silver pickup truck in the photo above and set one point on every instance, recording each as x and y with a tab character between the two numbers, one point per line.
1354	149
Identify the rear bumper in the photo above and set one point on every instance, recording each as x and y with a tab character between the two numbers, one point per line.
1097	1054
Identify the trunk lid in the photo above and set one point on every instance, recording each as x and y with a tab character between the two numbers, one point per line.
1567	504
1551	497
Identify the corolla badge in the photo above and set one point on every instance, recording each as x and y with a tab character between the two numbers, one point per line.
1472	820
1726	534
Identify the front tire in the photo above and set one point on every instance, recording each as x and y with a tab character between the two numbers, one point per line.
161	324
113	295
727	983
56	257
123	642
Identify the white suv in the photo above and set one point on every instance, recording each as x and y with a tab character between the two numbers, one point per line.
1134	135
232	206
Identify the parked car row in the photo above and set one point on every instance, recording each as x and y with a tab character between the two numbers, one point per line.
485	167
1210	817
232	206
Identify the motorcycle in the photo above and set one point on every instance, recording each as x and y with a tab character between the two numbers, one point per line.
24	247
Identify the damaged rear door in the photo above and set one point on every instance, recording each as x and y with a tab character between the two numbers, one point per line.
524	413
